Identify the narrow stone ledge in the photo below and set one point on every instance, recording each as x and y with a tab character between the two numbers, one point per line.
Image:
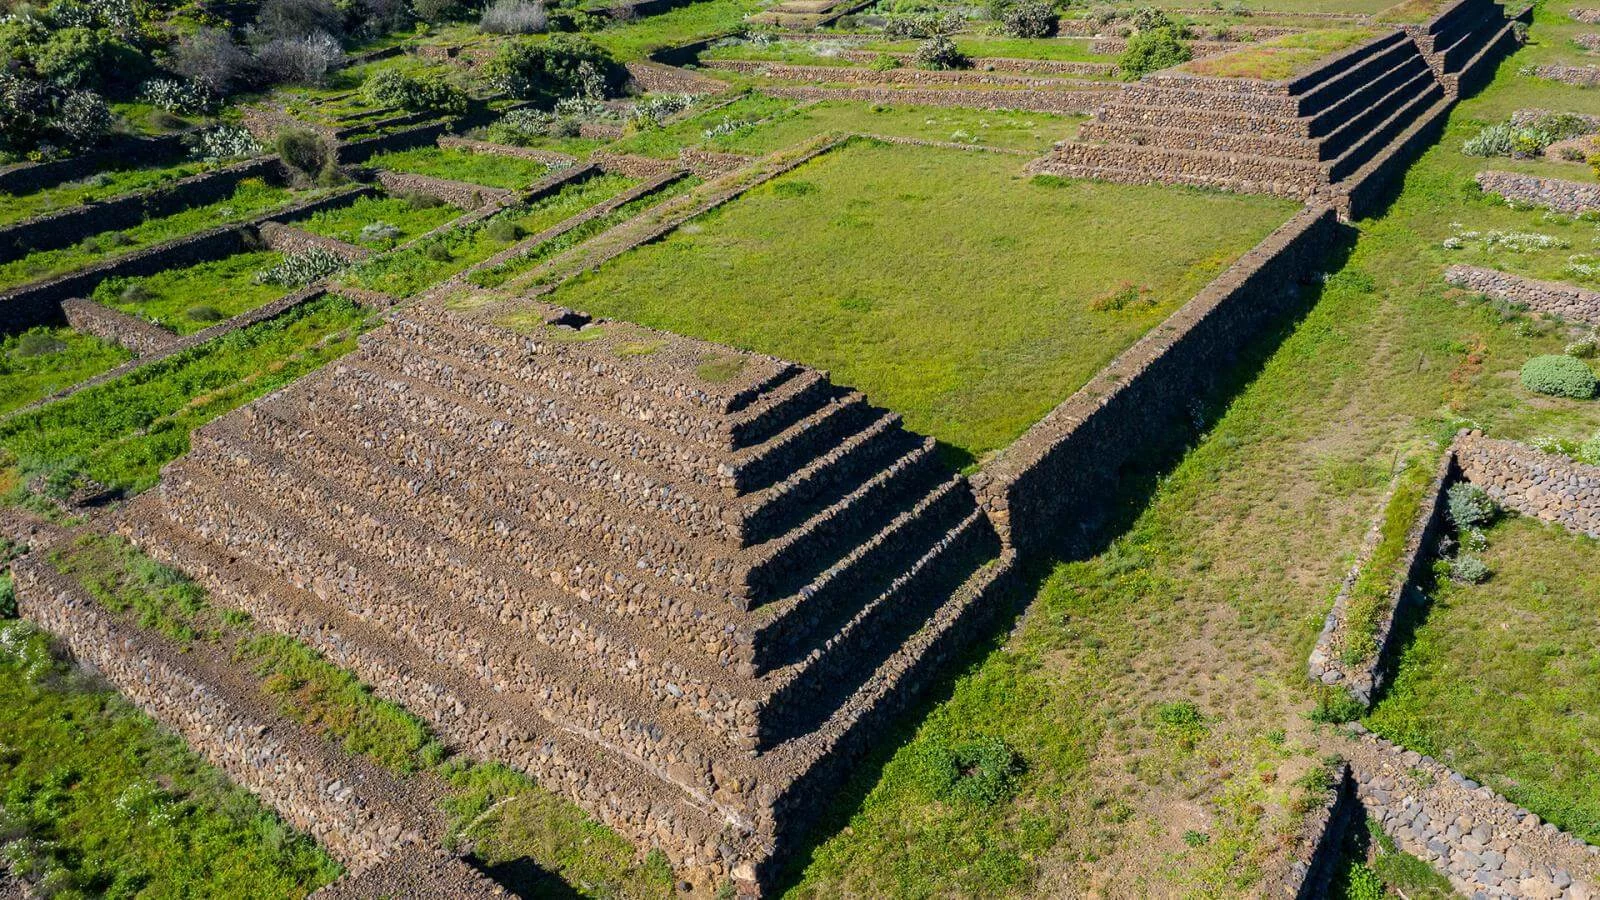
1548	486
114	325
460	194
1549	297
1486	845
1569	197
452	142
289	239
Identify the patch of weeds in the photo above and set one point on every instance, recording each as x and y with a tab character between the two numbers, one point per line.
1181	722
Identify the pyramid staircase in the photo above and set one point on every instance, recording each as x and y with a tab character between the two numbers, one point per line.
682	597
1302	138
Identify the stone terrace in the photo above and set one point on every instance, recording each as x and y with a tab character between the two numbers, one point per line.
1299	138
679	582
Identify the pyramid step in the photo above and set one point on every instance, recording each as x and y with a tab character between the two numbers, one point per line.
581	675
1173	163
1166	94
1360	102
466	715
786	563
1380	137
1357	128
1338	81
819	684
1122	112
1215	141
793	626
780	409
1120	175
827	478
761	466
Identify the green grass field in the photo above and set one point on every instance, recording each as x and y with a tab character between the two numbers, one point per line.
407	219
665	142
102	186
120	433
199	296
1012	130
859	263
1526	645
40	361
487	169
100	802
252	198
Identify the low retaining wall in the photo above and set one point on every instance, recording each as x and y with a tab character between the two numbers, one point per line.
289	239
1570	197
25	178
995	63
69	226
634	166
311	783
1363	679
1057	476
1486	845
451	142
354	153
131	332
710	164
459	194
1547	486
862	75
1579	76
242	320
1314	860
40	303
658	78
1549	297
1070	103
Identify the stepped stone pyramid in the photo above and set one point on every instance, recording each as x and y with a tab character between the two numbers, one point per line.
1300	138
680	584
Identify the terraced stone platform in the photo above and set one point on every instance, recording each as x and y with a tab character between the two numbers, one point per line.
1313	135
679	583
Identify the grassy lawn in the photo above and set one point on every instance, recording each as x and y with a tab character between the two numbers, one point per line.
102	186
122	432
1525	645
487	169
664	143
1281	57
100	802
43	360
824	53
410	271
199	296
641	37
874	243
991	128
252	198
405	218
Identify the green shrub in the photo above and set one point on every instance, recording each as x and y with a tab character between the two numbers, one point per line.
1335	706
1468	568
1469	506
8	597
38	343
939	52
436	10
391	88
1029	19
1153	50
563	66
1558	376
504	230
884	62
1364	884
982	772
204	313
1182	721
306	153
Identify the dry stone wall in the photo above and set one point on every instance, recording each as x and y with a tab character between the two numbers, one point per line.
348	804
1054	478
1486	845
1364	678
1078	102
995	63
1547	486
634	166
1552	298
549	157
861	75
40	303
657	78
1579	76
289	239
459	194
66	227
131	332
1569	197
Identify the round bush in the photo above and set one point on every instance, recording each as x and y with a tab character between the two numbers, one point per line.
1150	51
981	772
1468	568
38	343
1558	376
1469	506
204	313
